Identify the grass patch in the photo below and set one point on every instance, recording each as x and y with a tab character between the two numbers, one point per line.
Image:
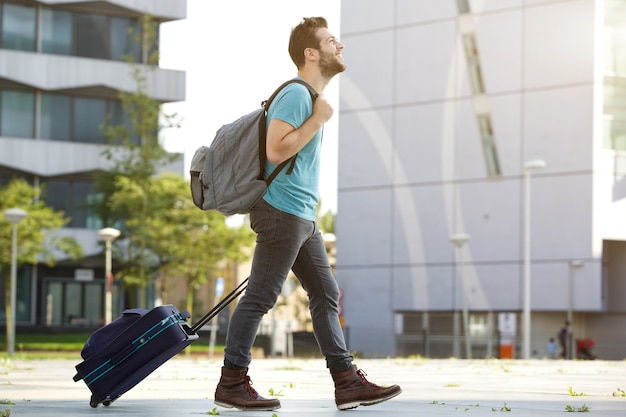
574	409
47	342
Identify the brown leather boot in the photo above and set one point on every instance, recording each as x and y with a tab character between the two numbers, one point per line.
352	389
235	390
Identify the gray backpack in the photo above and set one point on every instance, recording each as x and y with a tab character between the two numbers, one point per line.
229	175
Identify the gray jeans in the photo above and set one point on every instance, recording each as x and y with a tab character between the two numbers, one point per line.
286	242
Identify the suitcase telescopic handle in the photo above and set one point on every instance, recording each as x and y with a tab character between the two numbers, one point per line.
220	306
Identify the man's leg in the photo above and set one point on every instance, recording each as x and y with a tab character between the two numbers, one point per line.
314	273
279	237
352	389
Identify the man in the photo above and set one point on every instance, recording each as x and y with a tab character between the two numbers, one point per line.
563	336
288	238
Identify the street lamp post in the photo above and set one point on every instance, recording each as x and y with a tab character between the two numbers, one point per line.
14	216
459	240
533	165
108	234
570	307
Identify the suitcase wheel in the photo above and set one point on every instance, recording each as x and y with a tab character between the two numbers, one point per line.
93	403
106	403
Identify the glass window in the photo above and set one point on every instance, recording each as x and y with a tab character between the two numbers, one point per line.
614	133
125	39
7	175
55	121
22	294
92	36
73	303
73	198
18	27
93	222
57	194
120	118
81	197
54	304
17	113
614	13
89	115
615	51
463	6
93	302
56	32
489	145
473	63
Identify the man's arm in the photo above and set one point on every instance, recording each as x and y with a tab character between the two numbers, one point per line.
284	140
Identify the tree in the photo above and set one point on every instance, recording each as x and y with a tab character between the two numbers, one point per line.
326	222
185	244
136	153
163	233
37	241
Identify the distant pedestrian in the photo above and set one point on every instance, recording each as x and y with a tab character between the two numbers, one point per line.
551	348
563	336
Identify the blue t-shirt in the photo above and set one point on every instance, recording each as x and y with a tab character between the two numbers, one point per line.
296	193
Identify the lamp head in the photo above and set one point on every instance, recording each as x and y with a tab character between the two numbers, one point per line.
109	234
15	215
534	165
459	239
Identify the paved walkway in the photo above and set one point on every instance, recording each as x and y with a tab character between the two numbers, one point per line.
183	387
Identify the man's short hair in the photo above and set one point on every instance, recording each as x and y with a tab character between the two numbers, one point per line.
304	36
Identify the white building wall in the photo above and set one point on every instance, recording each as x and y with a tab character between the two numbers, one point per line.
61	73
412	171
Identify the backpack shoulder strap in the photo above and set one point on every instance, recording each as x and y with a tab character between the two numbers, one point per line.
263	132
312	92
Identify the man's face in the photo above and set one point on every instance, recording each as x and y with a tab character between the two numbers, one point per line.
331	61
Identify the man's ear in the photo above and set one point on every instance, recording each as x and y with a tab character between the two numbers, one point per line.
310	54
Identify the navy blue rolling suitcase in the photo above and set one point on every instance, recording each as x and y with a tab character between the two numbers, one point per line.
121	354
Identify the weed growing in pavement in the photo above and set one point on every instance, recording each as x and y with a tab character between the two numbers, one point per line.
5	413
573	393
504	408
619	393
573	409
467	408
275	393
6	363
213	412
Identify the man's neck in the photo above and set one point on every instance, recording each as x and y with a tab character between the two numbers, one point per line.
314	79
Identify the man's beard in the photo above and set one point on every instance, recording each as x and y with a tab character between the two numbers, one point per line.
330	65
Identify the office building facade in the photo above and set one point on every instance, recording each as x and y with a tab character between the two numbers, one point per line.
61	70
445	109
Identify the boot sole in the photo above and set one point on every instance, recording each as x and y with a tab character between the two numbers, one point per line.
243	408
355	404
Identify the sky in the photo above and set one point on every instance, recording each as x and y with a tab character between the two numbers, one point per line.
235	54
